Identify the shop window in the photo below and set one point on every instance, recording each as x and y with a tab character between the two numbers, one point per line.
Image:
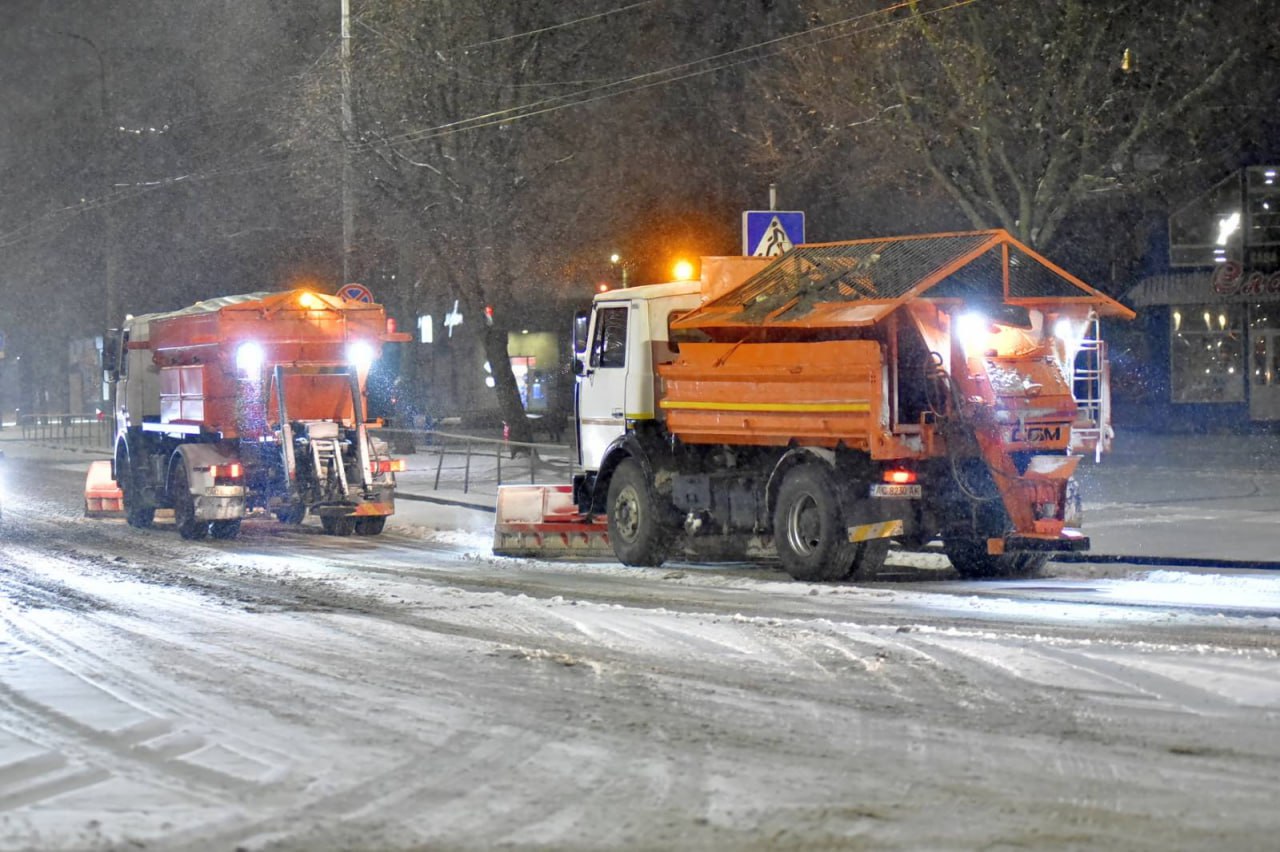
1207	354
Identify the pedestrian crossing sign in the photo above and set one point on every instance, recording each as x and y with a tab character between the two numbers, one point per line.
769	233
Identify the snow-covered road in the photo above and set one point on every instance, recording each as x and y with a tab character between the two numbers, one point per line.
294	691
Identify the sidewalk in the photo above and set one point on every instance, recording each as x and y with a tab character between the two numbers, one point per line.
1185	496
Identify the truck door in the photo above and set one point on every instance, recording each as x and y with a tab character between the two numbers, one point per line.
602	387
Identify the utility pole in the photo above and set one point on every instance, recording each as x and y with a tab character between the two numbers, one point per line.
111	248
348	211
111	260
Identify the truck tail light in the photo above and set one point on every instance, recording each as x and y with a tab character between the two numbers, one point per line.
226	472
387	466
900	476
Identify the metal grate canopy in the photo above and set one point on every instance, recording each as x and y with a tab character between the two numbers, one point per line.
859	282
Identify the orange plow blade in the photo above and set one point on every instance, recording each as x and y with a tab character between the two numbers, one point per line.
102	496
542	521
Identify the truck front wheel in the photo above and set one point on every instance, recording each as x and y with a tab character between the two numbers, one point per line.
637	529
138	513
809	531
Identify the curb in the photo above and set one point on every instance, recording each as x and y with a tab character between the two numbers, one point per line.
444	501
1167	561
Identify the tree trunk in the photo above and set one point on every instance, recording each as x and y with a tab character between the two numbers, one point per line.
509	405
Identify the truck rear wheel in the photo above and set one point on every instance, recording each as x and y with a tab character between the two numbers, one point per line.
637	528
339	525
870	559
225	529
184	505
292	514
809	531
971	560
371	526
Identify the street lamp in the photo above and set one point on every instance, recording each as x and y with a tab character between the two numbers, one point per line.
616	260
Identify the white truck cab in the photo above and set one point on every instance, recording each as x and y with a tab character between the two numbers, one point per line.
616	350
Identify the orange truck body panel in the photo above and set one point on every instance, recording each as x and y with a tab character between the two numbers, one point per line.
196	353
796	358
819	394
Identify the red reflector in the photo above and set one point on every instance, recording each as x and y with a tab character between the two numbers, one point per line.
387	466
234	470
900	476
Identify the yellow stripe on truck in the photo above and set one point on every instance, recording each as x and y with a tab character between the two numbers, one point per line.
805	407
866	532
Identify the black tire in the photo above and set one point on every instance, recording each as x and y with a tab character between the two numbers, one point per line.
371	525
809	530
339	525
638	528
971	561
292	514
184	505
225	529
137	513
870	559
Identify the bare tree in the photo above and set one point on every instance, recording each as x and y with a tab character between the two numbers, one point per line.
464	150
1021	112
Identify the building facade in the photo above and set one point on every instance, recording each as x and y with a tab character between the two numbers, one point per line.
1213	318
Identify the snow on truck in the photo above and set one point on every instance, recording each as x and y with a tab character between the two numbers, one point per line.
249	403
828	402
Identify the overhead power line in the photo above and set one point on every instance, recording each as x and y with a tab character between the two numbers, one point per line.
759	51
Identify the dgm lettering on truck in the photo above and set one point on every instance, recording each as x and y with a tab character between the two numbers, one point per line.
827	402
245	404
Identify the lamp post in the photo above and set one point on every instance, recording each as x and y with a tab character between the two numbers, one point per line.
348	124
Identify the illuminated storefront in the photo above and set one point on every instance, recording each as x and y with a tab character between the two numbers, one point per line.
1217	312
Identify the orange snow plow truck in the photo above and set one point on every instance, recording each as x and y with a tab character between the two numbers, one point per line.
249	403
824	403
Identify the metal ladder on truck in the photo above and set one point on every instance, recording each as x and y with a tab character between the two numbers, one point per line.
326	454
324	437
1091	386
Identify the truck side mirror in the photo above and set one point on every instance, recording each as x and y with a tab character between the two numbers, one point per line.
111	355
579	368
581	322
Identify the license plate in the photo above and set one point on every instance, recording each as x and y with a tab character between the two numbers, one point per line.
911	492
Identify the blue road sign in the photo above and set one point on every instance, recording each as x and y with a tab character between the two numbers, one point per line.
356	293
767	233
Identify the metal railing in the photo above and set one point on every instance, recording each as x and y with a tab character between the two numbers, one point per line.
439	461
81	429
457	462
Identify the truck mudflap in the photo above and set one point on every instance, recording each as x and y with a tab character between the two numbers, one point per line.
882	529
544	521
370	509
102	495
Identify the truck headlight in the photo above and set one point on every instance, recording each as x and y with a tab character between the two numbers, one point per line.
360	355
972	330
249	358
